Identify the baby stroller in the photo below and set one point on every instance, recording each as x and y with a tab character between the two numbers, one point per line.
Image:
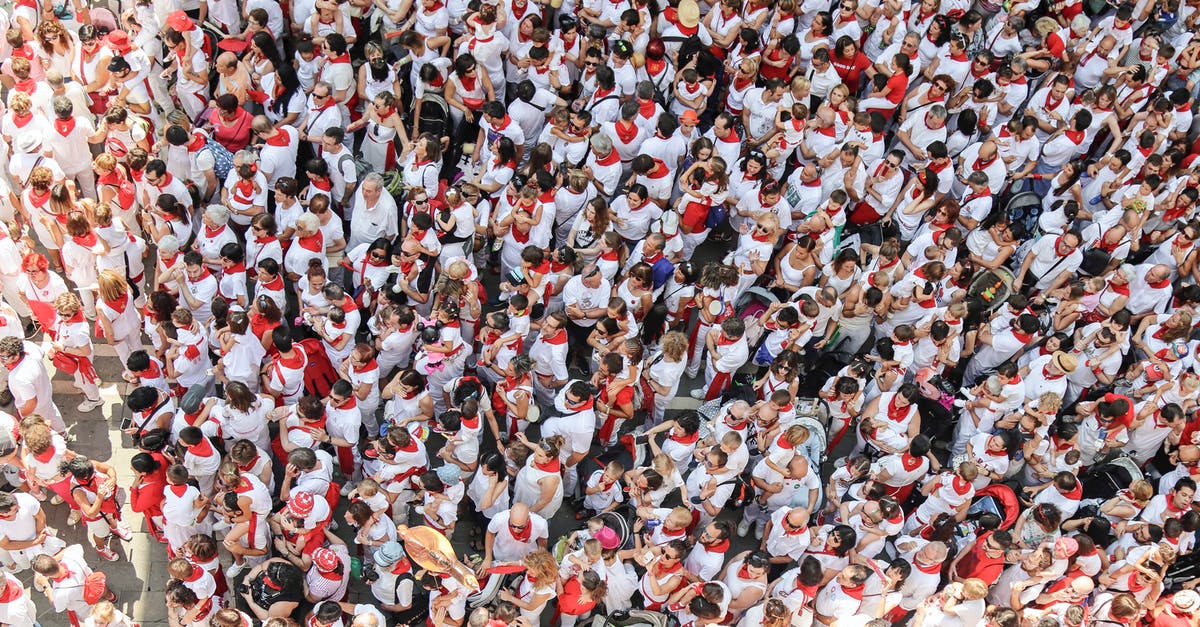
1104	480
634	618
998	499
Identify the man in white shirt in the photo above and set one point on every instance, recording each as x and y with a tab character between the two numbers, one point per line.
277	154
343	174
29	382
23	533
514	534
373	213
530	108
822	77
586	297
919	131
322	114
68	142
1052	260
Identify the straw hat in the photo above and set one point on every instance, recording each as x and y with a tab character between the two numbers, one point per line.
689	13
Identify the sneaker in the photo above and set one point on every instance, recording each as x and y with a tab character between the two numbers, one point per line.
107	554
333	525
122	532
697	394
743	527
234	570
960	402
758	531
56	500
73	519
347	488
89	406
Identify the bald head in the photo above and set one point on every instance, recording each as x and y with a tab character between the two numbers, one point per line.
987	150
933	553
519	514
1189	454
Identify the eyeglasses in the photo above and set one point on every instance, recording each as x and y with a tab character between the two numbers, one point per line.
320	96
518	527
424	201
375	255
591	63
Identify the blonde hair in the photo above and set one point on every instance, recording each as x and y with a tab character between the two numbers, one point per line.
67	303
103	611
1142	491
1049	402
112	284
367	488
674	345
664	465
541	565
681	516
105	162
974	588
20	103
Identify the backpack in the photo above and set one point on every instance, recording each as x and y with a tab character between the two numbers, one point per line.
361	167
742	494
319	375
222	159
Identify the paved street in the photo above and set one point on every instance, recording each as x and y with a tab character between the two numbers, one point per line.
139	577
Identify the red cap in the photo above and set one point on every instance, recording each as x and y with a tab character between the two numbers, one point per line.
119	40
300	505
325	559
180	21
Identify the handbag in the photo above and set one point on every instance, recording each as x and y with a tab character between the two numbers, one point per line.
65	363
95	586
717	215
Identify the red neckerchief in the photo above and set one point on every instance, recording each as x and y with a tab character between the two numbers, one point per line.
1076	137
87	241
655	67
724	341
202	449
557	339
647	108
909	462
22	120
661	570
612	157
12	590
280	138
733	138
685	439
75	318
119	304
720	547
894	413
322	183
626	134
1050	102
198	142
313	243
930	569
1158	285
524	534
275	284
552	466
855	592
64	127
960	486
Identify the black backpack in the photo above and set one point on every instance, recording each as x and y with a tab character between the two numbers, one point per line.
743	492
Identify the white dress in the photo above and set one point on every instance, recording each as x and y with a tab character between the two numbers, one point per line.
529	492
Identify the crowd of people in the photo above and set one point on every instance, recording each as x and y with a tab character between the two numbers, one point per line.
758	313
